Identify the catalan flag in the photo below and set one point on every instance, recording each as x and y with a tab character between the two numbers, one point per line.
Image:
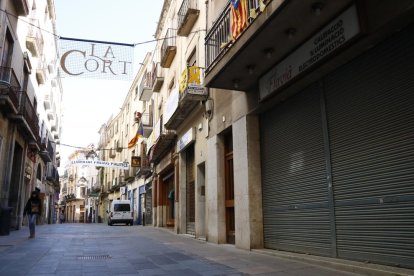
134	140
238	20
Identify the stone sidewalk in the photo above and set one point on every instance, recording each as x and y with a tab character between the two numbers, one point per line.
98	249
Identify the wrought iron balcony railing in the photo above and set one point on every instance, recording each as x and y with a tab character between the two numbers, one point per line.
9	86
145	88
29	114
147	119
34	39
157	77
187	16
168	48
219	37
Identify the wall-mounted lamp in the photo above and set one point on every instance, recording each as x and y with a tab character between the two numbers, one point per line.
317	8
290	32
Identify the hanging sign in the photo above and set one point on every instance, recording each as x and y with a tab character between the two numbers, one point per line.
96	59
98	163
333	36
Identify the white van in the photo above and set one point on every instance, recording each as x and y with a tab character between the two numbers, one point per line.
121	212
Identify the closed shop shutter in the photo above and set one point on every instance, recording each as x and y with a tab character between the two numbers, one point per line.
370	111
295	190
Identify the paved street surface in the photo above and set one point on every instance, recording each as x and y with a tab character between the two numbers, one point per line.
98	249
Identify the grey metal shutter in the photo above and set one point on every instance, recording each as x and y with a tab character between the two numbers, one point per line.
295	193
370	110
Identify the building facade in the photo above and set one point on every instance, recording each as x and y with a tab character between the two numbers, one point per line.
30	106
264	131
80	187
310	133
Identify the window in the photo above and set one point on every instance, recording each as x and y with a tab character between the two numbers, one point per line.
7	50
121	207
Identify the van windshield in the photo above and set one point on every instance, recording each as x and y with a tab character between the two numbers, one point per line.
121	207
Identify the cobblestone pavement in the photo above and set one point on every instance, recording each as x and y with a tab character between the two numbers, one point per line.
98	249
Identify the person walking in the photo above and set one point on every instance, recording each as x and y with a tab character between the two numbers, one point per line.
33	209
62	217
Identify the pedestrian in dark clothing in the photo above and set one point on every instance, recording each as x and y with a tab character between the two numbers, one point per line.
33	209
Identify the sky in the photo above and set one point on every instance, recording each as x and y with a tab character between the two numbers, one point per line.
89	103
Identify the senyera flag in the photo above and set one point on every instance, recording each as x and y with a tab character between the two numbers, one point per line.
238	20
134	140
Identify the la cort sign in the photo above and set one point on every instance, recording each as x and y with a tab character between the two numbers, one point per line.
94	59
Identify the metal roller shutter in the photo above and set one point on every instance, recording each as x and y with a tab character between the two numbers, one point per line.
370	110
295	193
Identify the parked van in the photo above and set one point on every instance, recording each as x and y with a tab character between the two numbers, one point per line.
120	212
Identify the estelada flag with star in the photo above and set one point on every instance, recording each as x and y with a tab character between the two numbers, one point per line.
238	20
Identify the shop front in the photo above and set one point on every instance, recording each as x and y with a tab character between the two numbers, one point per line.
338	160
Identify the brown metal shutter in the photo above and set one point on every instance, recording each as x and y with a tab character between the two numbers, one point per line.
295	191
370	110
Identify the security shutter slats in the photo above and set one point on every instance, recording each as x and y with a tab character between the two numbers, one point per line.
295	203
371	126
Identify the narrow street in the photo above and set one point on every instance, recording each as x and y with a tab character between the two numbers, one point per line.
97	249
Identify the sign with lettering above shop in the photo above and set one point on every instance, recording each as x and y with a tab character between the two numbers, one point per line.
334	35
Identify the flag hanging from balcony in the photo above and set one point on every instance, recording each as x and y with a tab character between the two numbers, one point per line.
238	19
134	140
96	59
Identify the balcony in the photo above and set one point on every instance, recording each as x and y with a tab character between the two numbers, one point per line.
41	74
34	39
157	77
55	125
26	118
272	33
22	7
168	48
164	141
145	88
112	153
47	101
187	16
46	150
70	197
191	92
147	122
119	147
52	173
9	85
145	168
129	175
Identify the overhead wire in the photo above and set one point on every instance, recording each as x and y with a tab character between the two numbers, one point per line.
88	40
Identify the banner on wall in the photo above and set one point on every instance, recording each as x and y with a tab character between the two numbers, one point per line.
96	59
